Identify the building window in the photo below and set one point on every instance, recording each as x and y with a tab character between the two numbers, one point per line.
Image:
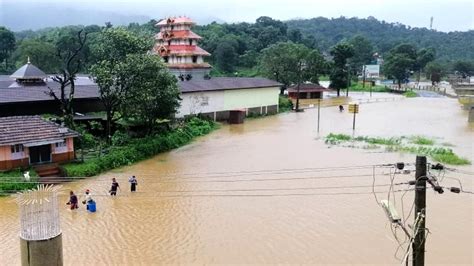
60	147
18	148
204	100
165	58
17	151
195	59
190	42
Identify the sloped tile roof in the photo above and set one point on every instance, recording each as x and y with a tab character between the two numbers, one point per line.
30	129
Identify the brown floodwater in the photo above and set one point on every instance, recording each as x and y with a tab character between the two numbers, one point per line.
270	191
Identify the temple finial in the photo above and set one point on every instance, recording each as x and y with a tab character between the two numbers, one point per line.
28	60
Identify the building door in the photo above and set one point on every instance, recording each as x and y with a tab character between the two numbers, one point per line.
40	154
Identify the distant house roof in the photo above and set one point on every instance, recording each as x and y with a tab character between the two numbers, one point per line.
31	129
28	71
216	84
307	87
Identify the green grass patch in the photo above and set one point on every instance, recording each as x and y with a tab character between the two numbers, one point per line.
141	148
419	145
421	140
368	88
410	94
13	181
333	138
379	141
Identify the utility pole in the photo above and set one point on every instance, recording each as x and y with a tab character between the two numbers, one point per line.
363	77
319	110
418	246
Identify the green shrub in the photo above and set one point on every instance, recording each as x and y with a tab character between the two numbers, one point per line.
142	148
284	104
410	94
120	138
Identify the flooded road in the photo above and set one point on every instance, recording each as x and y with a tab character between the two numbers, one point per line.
270	191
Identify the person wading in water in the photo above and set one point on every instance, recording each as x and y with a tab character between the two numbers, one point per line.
72	200
87	199
133	183
115	186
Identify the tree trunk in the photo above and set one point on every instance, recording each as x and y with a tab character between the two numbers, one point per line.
338	92
109	126
399	84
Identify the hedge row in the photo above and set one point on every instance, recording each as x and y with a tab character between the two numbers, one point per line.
142	148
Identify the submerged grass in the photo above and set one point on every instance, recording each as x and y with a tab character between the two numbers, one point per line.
410	94
421	140
420	145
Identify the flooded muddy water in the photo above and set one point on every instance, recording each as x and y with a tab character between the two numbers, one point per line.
270	191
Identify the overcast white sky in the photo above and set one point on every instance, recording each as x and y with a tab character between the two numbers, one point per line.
449	15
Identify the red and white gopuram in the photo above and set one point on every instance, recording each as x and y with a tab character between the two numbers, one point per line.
177	45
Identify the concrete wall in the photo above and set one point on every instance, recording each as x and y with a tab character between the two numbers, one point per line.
42	253
217	101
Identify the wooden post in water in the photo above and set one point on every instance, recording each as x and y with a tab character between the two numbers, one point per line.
418	245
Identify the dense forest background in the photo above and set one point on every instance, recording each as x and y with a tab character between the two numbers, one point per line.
236	48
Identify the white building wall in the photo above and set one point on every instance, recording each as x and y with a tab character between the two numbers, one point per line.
225	100
201	102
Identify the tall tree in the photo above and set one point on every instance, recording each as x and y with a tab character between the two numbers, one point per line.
434	71
340	72
363	55
400	61
423	57
69	49
7	44
41	53
225	56
291	63
152	92
111	49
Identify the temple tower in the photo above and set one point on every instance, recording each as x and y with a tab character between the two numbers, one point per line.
177	45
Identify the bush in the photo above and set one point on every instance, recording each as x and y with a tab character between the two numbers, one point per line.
120	138
141	148
284	104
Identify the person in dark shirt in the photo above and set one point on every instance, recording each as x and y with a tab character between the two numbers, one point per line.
115	186
72	200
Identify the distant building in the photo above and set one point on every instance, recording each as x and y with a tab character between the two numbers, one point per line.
25	92
307	91
178	46
217	97
30	140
